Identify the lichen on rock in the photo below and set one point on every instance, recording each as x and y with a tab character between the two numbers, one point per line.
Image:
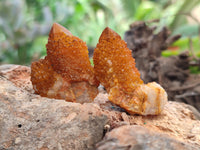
66	72
115	69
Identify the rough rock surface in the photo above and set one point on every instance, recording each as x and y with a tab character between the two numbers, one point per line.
178	120
134	137
28	121
19	75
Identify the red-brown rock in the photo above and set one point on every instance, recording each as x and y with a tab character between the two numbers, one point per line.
28	121
134	137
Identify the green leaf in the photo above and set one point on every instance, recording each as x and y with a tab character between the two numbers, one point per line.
130	7
194	70
180	17
169	53
91	61
147	11
187	30
183	44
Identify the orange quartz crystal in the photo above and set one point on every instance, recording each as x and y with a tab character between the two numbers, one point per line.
114	64
115	69
66	72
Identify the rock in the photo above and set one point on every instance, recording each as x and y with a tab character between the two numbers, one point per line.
19	75
134	137
28	121
176	120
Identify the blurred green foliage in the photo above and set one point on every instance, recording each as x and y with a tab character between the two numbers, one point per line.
24	24
183	44
194	70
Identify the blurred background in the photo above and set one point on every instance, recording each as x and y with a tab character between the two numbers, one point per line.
25	24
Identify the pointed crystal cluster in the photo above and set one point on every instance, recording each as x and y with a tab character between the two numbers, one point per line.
66	72
115	69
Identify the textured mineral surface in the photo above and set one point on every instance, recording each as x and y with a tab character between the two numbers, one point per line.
134	137
29	121
66	72
178	123
115	69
